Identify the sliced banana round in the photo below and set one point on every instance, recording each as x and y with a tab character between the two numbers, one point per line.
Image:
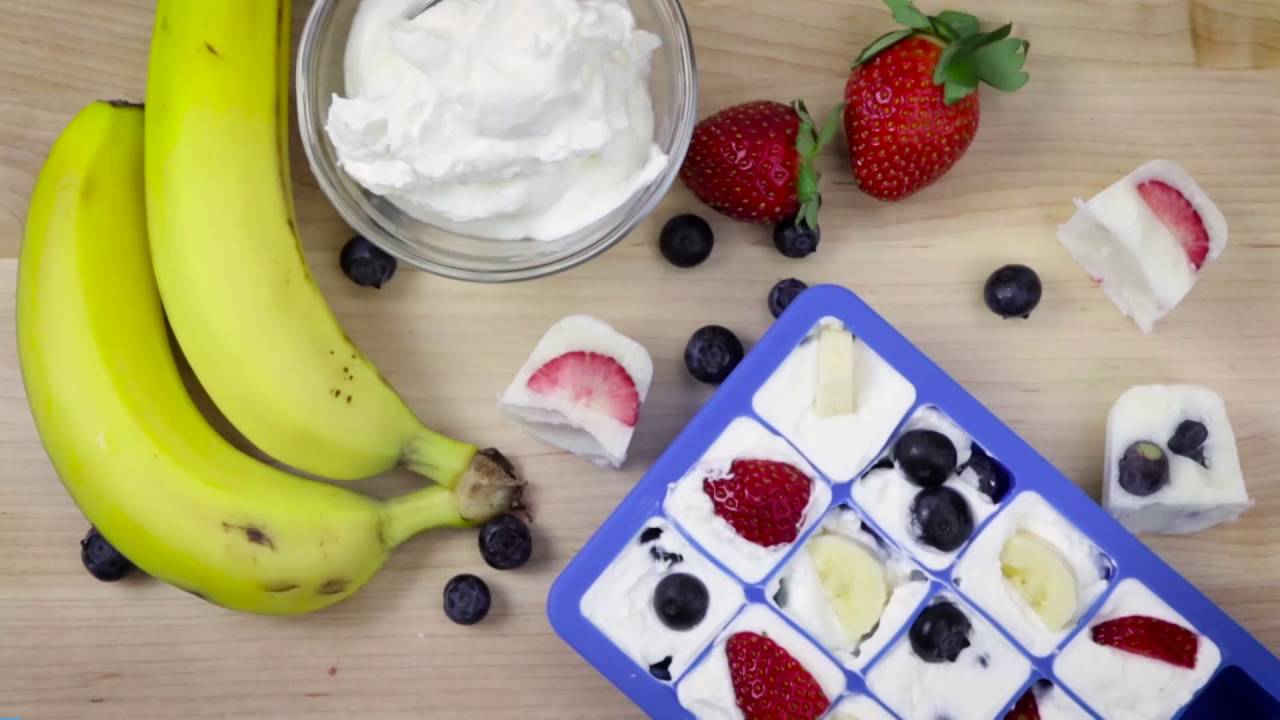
854	582
1041	576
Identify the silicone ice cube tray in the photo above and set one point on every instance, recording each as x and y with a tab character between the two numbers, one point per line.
1246	683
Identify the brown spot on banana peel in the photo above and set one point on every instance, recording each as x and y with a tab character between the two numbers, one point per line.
212	50
333	587
488	487
280	587
252	533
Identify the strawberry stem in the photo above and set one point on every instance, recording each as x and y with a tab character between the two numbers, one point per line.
810	140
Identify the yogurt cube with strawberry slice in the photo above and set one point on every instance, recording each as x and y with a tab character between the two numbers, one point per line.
581	389
1045	701
760	667
748	499
1146	239
1138	658
1172	462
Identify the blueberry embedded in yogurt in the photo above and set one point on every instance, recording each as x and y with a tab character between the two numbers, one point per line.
1146	239
940	518
661	601
927	457
581	389
951	663
1172	462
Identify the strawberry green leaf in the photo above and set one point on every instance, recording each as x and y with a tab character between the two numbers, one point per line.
830	127
958	64
1000	64
963	24
908	14
881	44
953	93
943	30
992	37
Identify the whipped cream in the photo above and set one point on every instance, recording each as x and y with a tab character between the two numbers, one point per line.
859	707
840	446
805	599
1054	704
620	602
886	494
689	506
979	574
1126	686
707	691
982	680
501	119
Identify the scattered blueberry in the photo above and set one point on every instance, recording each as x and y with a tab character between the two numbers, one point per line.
712	353
781	596
940	633
941	518
1013	291
993	477
783	294
926	456
505	542
365	263
1189	439
883	464
101	559
1144	468
681	601
466	599
650	534
660	555
796	240
686	241
661	669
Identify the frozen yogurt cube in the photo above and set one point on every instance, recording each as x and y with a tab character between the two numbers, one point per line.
933	489
850	591
581	389
859	707
1172	463
708	690
1048	702
1123	684
749	481
951	663
841	444
1146	239
660	601
1033	572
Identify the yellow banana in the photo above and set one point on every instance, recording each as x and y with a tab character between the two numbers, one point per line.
128	442
242	303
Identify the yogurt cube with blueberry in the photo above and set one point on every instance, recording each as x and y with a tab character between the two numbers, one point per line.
1172	462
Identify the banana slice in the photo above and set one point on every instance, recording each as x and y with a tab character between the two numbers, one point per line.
854	582
836	357
1041	577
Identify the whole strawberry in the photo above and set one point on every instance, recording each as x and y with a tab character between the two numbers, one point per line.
911	103
754	162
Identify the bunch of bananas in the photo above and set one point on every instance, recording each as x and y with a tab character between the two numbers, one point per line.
203	231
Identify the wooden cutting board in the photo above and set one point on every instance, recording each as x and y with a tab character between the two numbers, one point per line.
1115	83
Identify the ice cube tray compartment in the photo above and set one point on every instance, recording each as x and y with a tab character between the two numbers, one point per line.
1123	554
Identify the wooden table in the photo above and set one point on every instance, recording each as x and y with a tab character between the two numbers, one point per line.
1114	83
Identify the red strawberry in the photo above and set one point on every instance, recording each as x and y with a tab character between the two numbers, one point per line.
764	500
911	103
754	162
1180	216
594	382
769	684
1026	709
1149	637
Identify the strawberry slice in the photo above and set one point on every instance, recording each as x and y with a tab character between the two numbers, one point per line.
594	382
1026	709
1149	637
1180	216
764	500
770	684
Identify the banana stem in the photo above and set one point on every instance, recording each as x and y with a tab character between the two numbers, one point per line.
421	510
437	457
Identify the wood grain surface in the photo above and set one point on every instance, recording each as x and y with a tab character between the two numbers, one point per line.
1115	83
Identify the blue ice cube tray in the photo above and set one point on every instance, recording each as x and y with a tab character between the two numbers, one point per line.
1246	684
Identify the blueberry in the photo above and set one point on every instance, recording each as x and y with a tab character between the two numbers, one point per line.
993	478
466	599
505	542
650	534
365	263
681	601
796	239
712	353
1144	468
102	560
926	456
1013	291
686	241
661	669
1189	439
940	633
783	294
941	518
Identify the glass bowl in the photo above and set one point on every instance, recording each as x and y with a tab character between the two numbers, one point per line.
673	86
